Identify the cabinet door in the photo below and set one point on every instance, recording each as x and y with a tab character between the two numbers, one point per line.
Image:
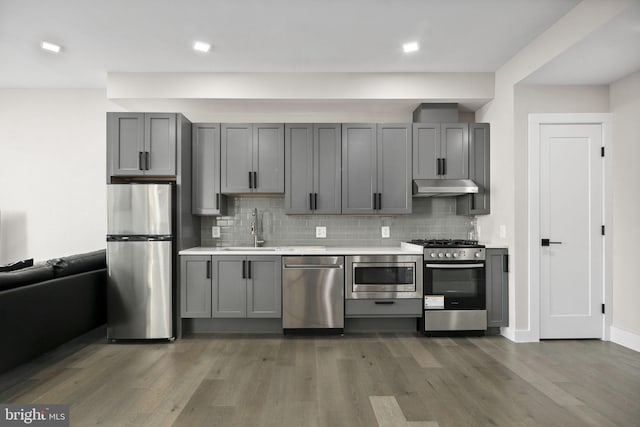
455	150
299	170
479	172
326	168
125	139
229	288
264	286
497	281
268	158
236	157
205	149
426	150
195	286
359	168
160	144
394	168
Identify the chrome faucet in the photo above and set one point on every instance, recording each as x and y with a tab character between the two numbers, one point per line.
254	229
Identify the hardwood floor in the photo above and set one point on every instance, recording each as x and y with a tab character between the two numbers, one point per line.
356	380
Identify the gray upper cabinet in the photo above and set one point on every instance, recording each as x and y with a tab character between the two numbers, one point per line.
207	198
479	154
312	168
497	281
376	168
394	168
440	150
246	286
195	286
359	168
141	144
252	158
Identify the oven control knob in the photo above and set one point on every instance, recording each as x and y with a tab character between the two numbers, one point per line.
440	255
478	254
448	255
455	254
433	254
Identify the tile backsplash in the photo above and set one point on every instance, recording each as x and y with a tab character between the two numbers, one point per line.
432	218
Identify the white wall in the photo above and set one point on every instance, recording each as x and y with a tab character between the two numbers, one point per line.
508	182
52	172
530	99
625	106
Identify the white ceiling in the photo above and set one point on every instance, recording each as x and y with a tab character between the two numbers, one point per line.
101	36
606	55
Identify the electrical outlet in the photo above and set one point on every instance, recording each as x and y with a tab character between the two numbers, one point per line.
385	231
321	232
215	232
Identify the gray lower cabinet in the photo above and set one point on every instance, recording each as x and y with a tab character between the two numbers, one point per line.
312	168
246	286
376	168
230	286
440	151
252	158
207	198
497	282
195	286
479	154
141	144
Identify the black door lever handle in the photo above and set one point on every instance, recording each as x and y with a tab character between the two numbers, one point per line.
547	242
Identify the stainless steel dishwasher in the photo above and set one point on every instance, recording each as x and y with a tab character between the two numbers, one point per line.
313	293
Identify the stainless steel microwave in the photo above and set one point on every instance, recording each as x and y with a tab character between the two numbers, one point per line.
383	276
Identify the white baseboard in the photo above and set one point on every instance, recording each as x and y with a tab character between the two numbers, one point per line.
518	335
625	338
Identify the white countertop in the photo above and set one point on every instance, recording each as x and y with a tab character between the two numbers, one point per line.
403	249
490	245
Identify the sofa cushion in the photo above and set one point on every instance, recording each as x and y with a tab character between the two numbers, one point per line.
26	276
75	264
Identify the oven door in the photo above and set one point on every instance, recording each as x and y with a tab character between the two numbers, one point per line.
461	284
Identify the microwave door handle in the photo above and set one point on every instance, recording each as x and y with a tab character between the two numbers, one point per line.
454	266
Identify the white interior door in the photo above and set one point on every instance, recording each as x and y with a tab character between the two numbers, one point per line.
571	218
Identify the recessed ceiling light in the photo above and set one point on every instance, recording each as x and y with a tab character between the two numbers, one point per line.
410	47
201	46
50	47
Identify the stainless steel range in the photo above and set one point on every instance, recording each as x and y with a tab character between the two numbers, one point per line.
454	286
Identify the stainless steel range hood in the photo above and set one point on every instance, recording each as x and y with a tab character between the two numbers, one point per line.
443	187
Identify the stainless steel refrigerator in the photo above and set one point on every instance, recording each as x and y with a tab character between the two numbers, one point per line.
140	261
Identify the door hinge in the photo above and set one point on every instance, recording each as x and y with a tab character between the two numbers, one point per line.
602	230
601	151
602	308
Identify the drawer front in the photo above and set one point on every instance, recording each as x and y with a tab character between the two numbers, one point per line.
383	308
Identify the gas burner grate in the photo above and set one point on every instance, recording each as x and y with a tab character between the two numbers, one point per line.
445	243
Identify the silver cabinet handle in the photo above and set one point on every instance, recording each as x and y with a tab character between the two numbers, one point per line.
312	266
454	266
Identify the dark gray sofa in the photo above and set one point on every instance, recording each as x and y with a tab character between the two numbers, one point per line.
46	305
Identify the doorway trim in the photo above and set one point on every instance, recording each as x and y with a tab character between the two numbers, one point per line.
535	122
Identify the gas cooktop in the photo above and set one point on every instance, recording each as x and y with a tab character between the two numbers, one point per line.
446	243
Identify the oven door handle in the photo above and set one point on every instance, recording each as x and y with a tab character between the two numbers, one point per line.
453	266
